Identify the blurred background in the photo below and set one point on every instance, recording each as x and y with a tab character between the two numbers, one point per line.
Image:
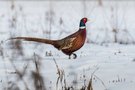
111	21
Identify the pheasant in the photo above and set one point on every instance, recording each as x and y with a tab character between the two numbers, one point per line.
67	45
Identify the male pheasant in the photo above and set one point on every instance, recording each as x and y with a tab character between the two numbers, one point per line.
67	45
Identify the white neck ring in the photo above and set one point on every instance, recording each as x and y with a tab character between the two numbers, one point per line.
82	27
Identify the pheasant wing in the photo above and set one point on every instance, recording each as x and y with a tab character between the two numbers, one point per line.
67	43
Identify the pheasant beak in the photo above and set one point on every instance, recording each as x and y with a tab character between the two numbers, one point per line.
88	19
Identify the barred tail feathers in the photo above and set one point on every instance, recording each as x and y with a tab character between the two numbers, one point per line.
47	41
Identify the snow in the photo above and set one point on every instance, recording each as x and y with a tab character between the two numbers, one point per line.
114	63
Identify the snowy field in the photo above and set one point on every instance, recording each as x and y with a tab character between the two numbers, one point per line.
112	63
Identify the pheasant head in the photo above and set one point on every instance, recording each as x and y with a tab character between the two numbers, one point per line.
82	23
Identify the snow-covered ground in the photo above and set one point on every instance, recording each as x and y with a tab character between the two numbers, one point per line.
114	63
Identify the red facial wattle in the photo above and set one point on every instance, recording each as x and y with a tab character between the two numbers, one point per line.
85	20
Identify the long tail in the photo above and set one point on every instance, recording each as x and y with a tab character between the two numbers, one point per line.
40	40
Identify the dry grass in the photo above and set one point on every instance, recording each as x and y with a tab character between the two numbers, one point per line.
37	80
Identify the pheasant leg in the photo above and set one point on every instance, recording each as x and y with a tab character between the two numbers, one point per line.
75	56
69	57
